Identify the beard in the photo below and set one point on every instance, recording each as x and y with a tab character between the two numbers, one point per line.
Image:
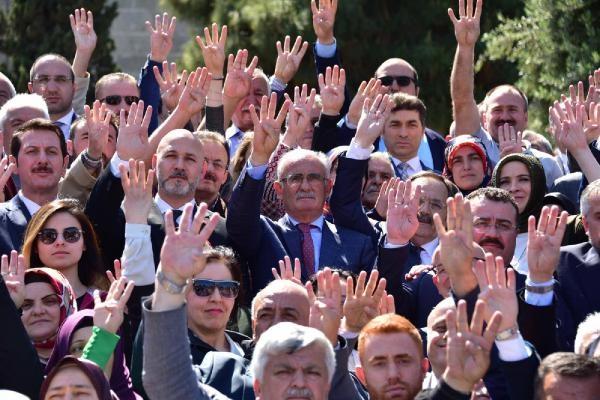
177	187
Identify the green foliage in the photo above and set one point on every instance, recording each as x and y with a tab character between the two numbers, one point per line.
35	27
554	44
368	32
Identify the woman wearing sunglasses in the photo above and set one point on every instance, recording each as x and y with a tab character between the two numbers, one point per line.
60	236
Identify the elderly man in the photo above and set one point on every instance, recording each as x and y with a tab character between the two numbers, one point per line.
504	107
7	89
18	110
303	184
118	91
379	170
216	155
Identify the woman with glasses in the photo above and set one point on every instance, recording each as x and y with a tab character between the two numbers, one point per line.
60	236
523	177
466	163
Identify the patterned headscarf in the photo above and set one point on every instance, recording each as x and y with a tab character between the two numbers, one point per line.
460	142
63	290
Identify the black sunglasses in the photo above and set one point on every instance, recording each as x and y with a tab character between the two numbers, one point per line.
206	287
70	235
401	80
115	100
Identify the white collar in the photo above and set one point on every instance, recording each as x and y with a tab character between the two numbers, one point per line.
232	131
430	247
317	222
163	206
66	119
31	205
414	163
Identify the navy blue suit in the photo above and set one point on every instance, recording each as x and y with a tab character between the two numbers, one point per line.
263	242
14	217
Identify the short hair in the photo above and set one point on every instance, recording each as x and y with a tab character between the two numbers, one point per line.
113	122
241	156
403	101
258	72
39	124
511	87
593	189
11	87
288	338
451	187
387	324
589	327
277	284
532	136
46	56
494	194
23	100
226	256
208	136
113	76
298	155
568	365
381	156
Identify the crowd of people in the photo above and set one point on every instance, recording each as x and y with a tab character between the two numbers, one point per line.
219	234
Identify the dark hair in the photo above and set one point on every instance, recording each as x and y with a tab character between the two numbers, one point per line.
33	124
566	364
50	55
92	371
114	123
216	138
90	269
403	101
495	194
344	275
228	258
450	186
516	89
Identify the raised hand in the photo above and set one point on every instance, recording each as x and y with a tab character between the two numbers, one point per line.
108	314
365	90
118	271
331	89
323	18
7	168
381	205
543	243
182	253
267	128
239	75
82	25
97	120
363	303
509	141
417	270
213	51
456	238
288	61
13	273
161	36
326	308
193	95
468	347
138	191
466	29
372	120
498	289
299	116
403	205
170	86
287	272
132	141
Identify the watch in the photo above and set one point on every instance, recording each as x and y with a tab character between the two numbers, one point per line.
507	334
170	286
539	289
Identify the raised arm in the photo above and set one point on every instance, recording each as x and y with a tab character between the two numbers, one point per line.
466	31
238	82
82	25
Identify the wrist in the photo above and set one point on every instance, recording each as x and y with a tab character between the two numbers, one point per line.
541	278
330	111
460	385
396	241
93	154
508	331
258	159
157	58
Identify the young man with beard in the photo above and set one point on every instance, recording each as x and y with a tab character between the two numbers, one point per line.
216	157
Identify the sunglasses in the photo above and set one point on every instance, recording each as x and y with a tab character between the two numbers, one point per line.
206	287
401	80
70	235
115	100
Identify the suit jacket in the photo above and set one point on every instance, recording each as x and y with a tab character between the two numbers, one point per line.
263	242
14	217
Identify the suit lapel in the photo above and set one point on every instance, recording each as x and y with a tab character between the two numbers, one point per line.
20	214
331	247
291	238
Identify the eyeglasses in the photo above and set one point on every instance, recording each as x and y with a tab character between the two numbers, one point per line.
115	100
46	79
296	180
206	287
401	80
70	235
486	225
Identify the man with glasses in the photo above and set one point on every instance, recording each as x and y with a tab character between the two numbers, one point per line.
216	156
303	184
118	91
52	77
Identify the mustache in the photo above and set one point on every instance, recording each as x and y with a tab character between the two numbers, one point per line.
299	392
178	174
43	168
500	122
492	241
425	218
209	176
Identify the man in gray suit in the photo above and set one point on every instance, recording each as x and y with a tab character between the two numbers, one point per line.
303	184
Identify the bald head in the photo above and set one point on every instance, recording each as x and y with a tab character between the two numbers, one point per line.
279	301
405	76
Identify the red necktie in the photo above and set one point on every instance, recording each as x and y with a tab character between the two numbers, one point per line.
308	249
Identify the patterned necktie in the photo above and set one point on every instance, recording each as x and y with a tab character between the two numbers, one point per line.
308	249
176	215
402	170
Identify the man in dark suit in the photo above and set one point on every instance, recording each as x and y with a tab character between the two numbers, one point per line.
41	157
303	184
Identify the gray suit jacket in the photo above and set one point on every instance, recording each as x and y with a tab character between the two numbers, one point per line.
14	217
